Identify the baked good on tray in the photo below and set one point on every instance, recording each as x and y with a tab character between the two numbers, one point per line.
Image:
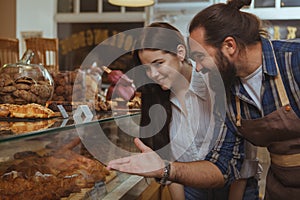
31	110
31	126
50	174
24	90
74	86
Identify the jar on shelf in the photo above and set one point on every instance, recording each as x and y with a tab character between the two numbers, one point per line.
24	82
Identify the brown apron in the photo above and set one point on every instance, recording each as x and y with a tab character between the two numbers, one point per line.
279	131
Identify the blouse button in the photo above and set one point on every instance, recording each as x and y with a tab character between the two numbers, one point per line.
287	108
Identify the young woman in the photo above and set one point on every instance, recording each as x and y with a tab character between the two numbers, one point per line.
180	90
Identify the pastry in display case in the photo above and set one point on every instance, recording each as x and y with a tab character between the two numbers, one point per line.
28	111
83	86
58	169
68	84
74	88
21	119
23	127
68	162
23	82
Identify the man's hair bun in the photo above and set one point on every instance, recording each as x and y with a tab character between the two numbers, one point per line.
238	4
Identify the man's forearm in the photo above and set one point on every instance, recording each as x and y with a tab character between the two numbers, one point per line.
201	174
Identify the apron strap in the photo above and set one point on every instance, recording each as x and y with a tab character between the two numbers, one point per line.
238	111
278	82
292	160
280	87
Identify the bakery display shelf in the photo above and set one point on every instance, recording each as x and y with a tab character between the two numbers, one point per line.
116	185
19	128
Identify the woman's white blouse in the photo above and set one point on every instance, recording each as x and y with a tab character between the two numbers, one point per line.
189	136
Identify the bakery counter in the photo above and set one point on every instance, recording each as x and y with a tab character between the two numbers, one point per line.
11	128
67	160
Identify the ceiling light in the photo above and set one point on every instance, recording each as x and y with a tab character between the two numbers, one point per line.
132	3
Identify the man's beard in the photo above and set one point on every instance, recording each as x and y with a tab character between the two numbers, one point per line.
226	69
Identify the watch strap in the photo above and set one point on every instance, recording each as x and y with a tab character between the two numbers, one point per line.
166	174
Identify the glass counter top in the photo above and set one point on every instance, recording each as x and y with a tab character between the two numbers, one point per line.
11	129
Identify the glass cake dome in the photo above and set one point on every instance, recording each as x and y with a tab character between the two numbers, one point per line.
23	82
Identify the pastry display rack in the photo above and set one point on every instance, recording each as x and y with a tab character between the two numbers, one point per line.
67	159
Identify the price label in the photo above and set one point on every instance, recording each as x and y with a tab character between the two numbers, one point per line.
63	112
82	114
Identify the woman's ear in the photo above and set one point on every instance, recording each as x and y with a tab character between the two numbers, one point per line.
181	52
229	47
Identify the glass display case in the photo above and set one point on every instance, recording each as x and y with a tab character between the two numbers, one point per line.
66	160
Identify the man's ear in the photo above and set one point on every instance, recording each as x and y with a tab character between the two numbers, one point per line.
181	52
229	47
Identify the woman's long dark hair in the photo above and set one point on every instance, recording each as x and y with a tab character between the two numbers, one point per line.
152	94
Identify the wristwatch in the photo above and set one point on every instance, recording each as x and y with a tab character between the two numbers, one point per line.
166	174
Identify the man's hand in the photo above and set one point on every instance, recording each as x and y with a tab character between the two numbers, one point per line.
147	163
201	174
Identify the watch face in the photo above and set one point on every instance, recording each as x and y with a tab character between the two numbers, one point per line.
166	174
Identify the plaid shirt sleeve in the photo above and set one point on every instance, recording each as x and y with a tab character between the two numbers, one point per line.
228	153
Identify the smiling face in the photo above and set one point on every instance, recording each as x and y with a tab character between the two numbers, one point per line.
209	57
163	68
200	52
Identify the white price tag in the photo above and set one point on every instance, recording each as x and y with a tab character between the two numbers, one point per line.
63	112
82	114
